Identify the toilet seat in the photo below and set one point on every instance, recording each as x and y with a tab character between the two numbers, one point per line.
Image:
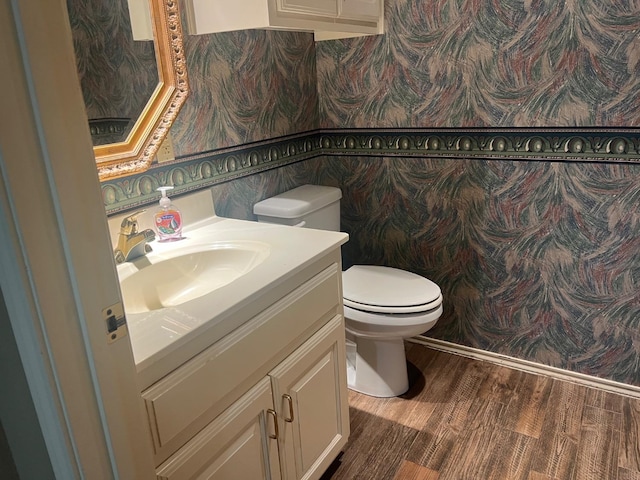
395	325
387	290
411	309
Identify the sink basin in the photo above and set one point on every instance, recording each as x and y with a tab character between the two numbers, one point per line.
172	278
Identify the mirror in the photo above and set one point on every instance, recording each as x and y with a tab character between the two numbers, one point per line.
129	120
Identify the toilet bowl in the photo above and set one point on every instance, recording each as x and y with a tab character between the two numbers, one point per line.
382	305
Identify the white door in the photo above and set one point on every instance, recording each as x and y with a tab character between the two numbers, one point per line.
57	273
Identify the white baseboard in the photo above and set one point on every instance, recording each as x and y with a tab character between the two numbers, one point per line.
528	366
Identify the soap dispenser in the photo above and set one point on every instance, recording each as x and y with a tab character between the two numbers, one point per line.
168	219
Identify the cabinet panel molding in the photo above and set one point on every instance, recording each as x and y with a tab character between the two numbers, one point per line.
328	8
235	445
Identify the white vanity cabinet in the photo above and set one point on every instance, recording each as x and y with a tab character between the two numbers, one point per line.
267	401
326	18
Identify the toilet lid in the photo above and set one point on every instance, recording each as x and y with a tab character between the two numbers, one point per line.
388	290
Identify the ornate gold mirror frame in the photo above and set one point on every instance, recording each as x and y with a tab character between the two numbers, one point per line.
136	153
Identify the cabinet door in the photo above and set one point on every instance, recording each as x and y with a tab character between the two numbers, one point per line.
310	396
240	443
358	9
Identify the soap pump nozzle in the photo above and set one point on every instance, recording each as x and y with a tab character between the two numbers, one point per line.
164	200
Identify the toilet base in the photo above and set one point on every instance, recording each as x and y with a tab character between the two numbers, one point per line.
379	368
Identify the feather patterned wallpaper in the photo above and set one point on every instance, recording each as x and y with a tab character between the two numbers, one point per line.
537	260
246	86
480	63
117	74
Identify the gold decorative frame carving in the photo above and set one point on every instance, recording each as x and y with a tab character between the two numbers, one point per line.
136	153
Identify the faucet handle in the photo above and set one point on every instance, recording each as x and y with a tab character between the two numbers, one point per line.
129	225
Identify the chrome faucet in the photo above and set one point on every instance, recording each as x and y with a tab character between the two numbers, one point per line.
131	242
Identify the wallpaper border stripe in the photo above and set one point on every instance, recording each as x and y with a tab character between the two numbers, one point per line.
206	169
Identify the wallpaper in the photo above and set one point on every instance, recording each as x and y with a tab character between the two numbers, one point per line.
506	63
537	260
246	86
117	74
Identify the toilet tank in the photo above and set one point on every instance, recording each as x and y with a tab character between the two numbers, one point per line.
310	206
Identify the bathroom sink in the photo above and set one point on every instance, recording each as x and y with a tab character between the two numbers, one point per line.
181	274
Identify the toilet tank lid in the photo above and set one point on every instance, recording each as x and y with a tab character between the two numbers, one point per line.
298	202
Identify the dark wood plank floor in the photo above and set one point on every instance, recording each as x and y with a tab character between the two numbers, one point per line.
468	419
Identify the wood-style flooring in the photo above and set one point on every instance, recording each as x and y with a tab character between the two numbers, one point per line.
469	419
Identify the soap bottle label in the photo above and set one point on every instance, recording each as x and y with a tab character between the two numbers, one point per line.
168	223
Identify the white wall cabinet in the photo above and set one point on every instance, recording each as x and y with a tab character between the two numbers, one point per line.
269	400
328	19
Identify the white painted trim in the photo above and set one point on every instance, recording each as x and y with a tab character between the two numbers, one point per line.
26	325
528	366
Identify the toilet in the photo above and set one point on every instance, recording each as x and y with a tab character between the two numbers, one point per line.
382	305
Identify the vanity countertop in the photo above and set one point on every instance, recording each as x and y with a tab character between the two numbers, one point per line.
165	338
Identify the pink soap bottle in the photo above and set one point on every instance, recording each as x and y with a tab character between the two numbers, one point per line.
168	219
